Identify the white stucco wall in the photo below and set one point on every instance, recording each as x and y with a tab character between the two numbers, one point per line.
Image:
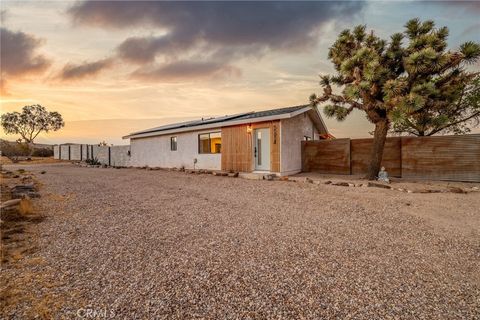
292	133
155	152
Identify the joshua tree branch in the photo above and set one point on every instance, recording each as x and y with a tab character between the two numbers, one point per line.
454	123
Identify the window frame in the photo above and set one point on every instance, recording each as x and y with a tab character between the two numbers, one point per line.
171	143
209	142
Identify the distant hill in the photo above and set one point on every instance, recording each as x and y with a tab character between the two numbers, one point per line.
36	145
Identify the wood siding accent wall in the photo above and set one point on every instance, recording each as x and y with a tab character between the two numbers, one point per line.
328	156
392	156
454	158
237	149
442	158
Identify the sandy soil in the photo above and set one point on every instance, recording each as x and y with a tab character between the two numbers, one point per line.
160	244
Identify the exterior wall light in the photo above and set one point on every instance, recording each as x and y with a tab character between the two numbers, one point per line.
249	128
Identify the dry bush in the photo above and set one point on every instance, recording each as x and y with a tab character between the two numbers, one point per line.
25	207
14	150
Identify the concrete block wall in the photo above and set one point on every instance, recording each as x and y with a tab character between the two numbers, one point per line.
101	153
84	152
120	156
110	155
64	152
75	152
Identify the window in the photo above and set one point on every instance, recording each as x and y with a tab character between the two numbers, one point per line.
306	138
210	142
173	143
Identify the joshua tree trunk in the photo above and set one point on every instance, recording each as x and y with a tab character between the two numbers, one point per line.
379	137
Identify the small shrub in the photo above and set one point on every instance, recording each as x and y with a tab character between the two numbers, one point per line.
14	150
93	162
42	152
25	207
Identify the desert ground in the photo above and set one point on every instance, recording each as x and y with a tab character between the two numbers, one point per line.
132	243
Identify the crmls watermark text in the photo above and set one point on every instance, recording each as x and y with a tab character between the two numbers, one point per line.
95	313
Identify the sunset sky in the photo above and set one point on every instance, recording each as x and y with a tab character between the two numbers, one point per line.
111	68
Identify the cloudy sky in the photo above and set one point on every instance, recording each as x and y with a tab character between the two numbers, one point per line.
115	67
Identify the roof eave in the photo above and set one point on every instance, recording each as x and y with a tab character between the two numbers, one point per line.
318	120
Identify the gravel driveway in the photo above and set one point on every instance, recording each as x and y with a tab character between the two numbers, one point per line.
156	244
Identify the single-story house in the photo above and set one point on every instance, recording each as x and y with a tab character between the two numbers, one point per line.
265	141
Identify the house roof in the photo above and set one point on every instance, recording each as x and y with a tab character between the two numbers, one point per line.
230	120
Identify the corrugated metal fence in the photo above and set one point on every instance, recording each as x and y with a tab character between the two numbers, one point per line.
455	158
118	156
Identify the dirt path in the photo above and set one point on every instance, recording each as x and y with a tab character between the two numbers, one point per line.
164	244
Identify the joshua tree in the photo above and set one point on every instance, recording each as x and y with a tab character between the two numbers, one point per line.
30	122
457	116
396	83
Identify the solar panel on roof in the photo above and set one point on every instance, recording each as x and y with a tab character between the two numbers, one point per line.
240	116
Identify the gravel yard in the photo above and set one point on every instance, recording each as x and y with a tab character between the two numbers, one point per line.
157	244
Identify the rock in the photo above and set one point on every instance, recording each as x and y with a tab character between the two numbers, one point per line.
24	190
284	178
456	190
308	180
233	174
475	188
268	177
250	176
328	182
379	185
427	191
341	183
10	203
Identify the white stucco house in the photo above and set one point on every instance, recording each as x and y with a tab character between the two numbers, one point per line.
265	141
